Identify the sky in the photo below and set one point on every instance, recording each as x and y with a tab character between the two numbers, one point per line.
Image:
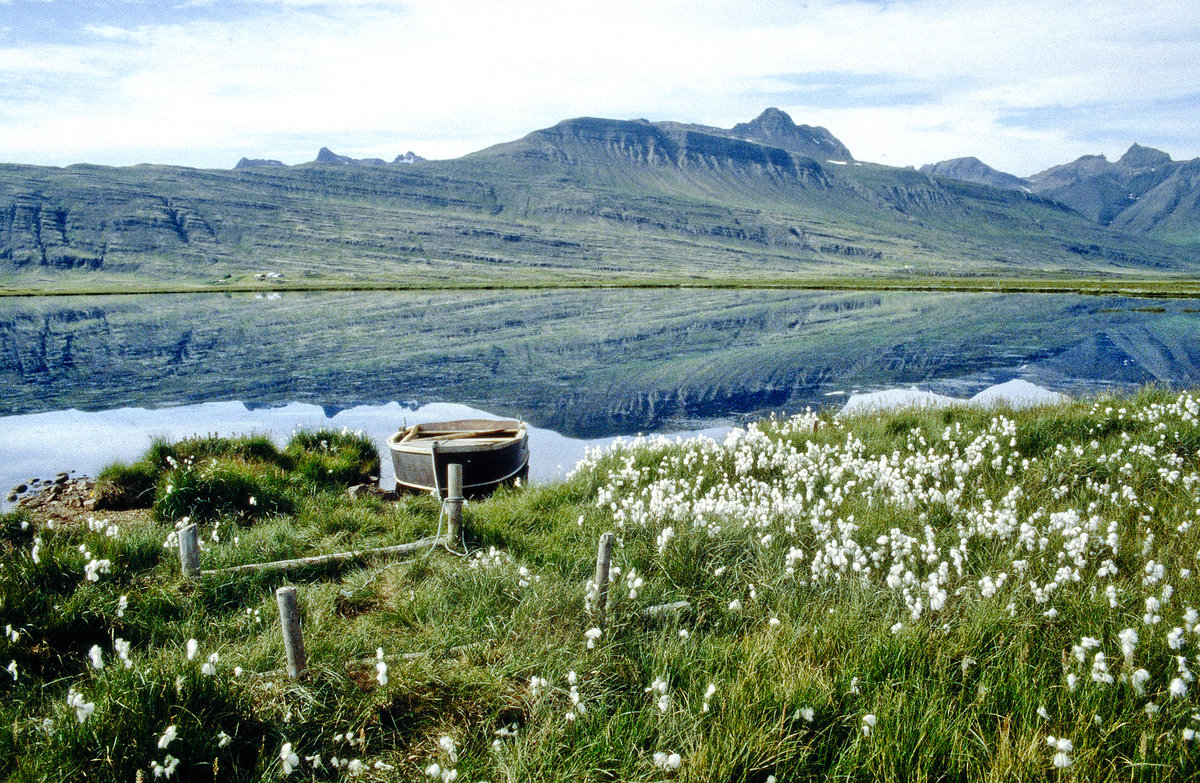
1021	84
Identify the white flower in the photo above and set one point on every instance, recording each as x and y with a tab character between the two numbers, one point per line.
1178	688
592	634
210	667
96	656
1129	640
868	723
83	709
447	744
807	713
735	605
166	769
122	649
1138	681
168	736
667	761
12	669
193	647
290	760
223	739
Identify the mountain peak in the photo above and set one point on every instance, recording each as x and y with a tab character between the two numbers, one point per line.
776	128
1139	157
972	169
326	155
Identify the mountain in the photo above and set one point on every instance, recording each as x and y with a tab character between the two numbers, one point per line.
975	170
588	199
775	128
250	163
1100	189
1145	192
326	155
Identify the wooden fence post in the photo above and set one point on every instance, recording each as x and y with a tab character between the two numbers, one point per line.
293	641
189	551
454	502
603	563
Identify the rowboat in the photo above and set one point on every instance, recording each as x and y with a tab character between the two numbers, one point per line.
491	452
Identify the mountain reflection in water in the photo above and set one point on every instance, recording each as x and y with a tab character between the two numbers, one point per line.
585	363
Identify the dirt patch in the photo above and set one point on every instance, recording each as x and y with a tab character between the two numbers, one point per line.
70	501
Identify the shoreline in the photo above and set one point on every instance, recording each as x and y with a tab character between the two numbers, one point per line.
1148	288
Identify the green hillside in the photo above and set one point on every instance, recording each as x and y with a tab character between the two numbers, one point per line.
588	200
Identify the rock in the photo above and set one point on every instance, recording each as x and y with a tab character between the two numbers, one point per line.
12	497
18	489
61	479
89	504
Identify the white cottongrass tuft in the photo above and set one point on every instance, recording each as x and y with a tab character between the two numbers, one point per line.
667	761
381	669
168	736
83	709
96	657
868	724
1138	680
290	760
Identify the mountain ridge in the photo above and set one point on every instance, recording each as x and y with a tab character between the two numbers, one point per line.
586	199
1106	192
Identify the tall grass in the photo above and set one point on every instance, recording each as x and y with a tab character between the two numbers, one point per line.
944	595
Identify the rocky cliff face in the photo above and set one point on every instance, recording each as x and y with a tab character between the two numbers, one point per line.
593	141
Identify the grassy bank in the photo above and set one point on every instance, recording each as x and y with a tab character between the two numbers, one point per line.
1168	287
953	595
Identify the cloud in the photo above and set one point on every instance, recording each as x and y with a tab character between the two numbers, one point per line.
901	82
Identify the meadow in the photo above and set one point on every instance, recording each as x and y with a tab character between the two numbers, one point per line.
960	594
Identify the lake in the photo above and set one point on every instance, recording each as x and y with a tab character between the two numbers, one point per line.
579	366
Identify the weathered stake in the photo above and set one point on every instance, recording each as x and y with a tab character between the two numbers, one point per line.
293	642
454	502
603	564
189	552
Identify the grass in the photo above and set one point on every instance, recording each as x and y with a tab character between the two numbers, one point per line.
1133	286
883	566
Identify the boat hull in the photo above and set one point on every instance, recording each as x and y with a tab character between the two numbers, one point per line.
499	455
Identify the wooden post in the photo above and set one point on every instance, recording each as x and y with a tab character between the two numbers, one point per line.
293	641
454	502
189	552
603	562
